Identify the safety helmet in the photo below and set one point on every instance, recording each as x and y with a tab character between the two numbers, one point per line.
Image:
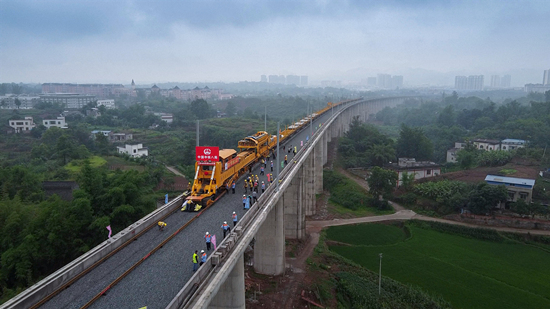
202	251
224	222
244	195
233	212
262	182
206	233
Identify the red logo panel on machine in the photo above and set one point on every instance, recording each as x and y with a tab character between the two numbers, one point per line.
207	155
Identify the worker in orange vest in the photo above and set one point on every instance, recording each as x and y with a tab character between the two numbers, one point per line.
226	229
208	239
233	187
234	219
203	257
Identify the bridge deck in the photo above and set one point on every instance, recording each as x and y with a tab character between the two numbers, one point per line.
160	277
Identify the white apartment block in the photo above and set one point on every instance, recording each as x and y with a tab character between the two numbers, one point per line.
109	104
512	144
59	122
24	126
508	144
134	151
8	101
486	144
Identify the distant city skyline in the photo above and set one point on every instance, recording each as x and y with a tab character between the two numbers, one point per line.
427	42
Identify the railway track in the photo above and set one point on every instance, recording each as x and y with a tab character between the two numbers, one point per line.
188	231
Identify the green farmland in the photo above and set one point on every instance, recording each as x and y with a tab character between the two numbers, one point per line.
467	272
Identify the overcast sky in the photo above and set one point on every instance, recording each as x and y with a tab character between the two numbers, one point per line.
205	40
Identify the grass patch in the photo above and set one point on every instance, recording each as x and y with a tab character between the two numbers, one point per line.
367	234
348	196
468	272
335	208
353	286
507	171
75	165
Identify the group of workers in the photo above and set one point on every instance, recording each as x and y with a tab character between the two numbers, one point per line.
252	182
208	239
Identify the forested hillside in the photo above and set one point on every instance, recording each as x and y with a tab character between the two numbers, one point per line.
456	119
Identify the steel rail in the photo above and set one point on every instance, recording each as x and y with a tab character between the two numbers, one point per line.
257	210
164	242
99	262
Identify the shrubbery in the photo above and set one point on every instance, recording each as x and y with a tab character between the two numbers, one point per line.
344	191
358	290
455	195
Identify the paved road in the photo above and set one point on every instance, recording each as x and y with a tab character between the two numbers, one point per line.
174	170
406	214
160	277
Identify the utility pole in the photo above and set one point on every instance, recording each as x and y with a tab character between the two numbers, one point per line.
265	118
380	277
198	133
311	121
278	158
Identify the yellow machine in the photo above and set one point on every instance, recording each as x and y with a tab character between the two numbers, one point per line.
212	177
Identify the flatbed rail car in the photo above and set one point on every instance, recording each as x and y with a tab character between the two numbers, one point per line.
212	177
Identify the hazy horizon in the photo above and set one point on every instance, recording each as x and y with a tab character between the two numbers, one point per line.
428	42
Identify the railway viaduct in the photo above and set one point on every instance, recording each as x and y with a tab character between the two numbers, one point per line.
278	215
127	259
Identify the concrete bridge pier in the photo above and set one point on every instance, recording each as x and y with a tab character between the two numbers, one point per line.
269	248
309	188
318	152
325	141
231	294
294	209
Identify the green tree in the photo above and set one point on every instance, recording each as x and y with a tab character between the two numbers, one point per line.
485	197
17	103
467	157
65	148
447	116
101	143
407	180
200	109
381	154
413	143
230	109
381	182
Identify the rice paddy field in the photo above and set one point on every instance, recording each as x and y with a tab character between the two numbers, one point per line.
467	272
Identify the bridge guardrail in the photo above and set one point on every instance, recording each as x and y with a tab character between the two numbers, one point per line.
217	258
47	287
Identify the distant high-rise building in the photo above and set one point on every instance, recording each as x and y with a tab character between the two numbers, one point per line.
501	82
303	80
506	81
384	81
274	79
282	79
495	81
263	79
293	80
461	82
546	77
397	81
475	82
371	81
